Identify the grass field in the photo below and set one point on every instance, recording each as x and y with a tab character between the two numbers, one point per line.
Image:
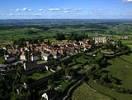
7	36
84	92
127	42
121	68
109	92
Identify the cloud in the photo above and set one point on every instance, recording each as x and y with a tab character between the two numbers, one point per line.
60	10
55	9
37	14
127	0
65	10
41	9
20	14
72	10
26	9
23	9
17	10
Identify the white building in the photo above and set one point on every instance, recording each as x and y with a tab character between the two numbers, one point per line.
44	56
22	57
32	58
24	66
45	96
6	56
100	39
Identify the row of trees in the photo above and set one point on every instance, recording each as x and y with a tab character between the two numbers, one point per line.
72	36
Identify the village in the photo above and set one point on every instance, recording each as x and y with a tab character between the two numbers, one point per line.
31	53
49	58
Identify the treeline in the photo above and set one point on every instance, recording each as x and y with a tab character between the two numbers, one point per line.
72	36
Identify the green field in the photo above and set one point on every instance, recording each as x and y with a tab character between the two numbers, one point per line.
84	92
127	42
121	68
110	92
10	33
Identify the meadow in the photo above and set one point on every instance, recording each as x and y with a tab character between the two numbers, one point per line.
84	92
121	68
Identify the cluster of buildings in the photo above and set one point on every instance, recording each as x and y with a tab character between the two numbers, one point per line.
28	54
44	51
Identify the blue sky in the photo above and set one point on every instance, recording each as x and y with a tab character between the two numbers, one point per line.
65	9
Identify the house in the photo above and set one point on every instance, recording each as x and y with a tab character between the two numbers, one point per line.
11	59
44	96
25	85
54	55
4	68
44	56
24	66
34	66
5	57
31	57
36	58
124	37
100	39
22	57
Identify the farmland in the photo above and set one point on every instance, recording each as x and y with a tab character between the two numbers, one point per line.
13	32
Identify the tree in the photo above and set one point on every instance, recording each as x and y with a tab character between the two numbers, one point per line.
60	36
77	37
50	84
103	62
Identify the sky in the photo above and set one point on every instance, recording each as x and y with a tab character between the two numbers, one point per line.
66	9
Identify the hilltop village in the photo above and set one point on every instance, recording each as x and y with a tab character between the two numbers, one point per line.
43	51
51	61
29	53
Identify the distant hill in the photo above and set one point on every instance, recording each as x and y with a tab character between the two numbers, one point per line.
23	22
11	30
